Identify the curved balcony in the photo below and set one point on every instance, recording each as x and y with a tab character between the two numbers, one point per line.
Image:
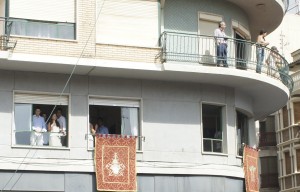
263	14
241	54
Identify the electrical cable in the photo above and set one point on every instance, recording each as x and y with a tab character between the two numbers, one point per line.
62	92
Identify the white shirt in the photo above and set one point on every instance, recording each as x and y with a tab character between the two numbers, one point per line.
38	124
62	123
220	36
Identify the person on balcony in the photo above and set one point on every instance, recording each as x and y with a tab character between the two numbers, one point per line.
38	128
221	41
273	61
260	50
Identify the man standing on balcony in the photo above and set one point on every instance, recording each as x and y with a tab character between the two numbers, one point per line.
221	41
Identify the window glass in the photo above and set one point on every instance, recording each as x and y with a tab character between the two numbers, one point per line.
242	131
40	123
43	29
212	128
119	120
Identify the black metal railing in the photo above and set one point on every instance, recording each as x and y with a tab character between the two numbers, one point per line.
267	139
5	28
241	54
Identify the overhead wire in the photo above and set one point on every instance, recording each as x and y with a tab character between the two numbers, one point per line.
60	95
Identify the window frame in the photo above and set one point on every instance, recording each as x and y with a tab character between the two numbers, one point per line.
140	137
224	128
68	116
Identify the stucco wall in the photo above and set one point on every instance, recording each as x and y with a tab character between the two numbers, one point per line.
182	16
171	123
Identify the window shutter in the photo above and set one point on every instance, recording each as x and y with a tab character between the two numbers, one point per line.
41	99
288	167
297	112
298	159
46	10
127	22
114	102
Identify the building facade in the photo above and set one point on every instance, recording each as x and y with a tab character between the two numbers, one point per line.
148	68
287	120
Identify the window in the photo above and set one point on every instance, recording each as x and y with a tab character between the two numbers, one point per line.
32	124
120	117
288	163
130	22
298	159
296	106
267	134
269	172
213	128
242	131
285	116
43	18
43	29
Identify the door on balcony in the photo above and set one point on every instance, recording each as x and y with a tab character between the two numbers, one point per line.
207	46
240	51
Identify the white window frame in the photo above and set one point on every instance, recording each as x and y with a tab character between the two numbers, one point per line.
224	128
34	93
132	101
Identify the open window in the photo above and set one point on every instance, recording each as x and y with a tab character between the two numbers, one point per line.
213	120
25	105
242	131
120	117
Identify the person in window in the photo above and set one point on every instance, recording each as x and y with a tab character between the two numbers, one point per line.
260	50
38	128
63	128
55	134
100	128
221	41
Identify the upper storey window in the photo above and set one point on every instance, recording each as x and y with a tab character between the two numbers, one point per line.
127	22
213	119
45	19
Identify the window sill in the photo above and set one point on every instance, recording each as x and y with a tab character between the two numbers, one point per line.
215	154
40	147
44	38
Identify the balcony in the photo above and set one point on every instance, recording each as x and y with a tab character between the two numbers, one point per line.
267	139
5	42
201	49
263	14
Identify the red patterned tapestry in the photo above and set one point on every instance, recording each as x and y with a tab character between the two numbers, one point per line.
251	169
115	163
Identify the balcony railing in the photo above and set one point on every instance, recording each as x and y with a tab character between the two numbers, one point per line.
241	54
267	139
5	28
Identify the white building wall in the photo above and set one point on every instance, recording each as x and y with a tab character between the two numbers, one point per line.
171	124
285	37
